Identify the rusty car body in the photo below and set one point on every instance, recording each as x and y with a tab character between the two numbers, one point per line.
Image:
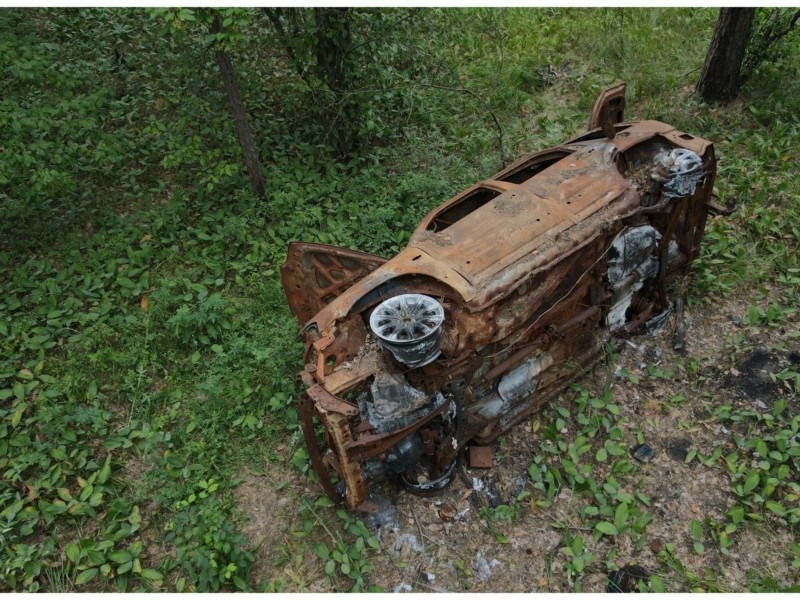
504	294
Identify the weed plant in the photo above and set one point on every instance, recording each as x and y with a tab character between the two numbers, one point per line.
147	356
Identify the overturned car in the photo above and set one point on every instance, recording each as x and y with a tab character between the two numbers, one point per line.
503	295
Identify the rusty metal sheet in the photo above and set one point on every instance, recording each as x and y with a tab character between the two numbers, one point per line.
519	221
643	131
315	274
409	262
480	457
504	295
341	435
331	403
608	110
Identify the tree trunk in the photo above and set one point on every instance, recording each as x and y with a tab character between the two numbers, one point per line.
334	40
239	117
719	81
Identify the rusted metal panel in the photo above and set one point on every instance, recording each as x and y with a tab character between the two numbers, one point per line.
504	295
331	403
608	110
518	221
480	457
315	274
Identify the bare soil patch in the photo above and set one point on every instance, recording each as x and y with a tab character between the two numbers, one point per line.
269	520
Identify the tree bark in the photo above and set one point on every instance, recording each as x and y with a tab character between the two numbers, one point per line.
334	40
719	81
239	112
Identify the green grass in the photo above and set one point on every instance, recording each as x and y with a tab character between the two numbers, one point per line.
148	355
610	488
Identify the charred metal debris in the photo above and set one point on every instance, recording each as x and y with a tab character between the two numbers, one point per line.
504	294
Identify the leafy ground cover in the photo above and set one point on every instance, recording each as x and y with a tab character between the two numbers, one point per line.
148	436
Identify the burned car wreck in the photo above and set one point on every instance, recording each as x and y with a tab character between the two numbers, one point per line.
504	294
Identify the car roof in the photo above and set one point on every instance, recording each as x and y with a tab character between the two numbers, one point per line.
486	253
526	217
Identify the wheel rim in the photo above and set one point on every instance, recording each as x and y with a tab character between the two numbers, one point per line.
682	161
406	319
